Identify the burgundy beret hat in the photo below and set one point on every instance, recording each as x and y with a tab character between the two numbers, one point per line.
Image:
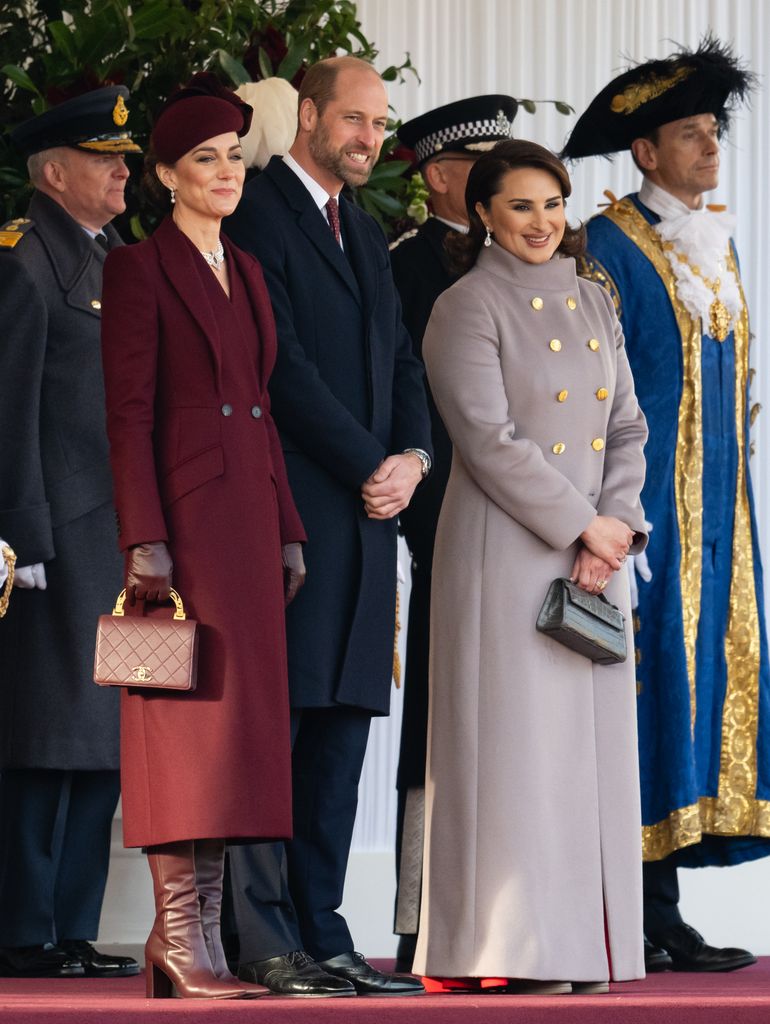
201	110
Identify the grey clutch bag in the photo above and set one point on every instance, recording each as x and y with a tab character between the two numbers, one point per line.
586	623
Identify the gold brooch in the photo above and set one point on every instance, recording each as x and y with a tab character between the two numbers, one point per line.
120	112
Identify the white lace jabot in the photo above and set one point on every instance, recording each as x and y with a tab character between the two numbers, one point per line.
703	238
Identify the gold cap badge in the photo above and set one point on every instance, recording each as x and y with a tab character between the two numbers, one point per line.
120	112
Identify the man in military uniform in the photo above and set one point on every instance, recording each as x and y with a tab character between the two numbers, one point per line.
669	263
59	733
446	143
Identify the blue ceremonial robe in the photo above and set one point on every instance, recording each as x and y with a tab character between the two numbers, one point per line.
702	675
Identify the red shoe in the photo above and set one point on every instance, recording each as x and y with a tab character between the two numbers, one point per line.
452	984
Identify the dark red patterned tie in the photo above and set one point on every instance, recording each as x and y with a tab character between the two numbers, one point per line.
333	213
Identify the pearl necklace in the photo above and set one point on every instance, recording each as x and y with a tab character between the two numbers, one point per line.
216	258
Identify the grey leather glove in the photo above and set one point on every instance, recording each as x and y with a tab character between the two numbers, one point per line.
148	572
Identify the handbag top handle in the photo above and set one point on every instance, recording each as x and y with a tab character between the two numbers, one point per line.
179	612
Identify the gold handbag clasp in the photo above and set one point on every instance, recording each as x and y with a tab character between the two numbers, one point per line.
179	612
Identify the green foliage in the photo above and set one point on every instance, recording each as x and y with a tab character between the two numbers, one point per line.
51	50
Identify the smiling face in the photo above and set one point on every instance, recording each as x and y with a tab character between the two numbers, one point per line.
209	179
526	216
684	158
343	142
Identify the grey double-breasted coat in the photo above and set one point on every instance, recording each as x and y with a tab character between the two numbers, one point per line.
532	791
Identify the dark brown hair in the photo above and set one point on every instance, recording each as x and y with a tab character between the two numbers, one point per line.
485	181
156	193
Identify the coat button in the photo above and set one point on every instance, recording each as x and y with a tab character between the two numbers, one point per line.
562	396
558	448
537	303
593	344
602	393
227	409
571	303
95	304
256	412
597	444
555	345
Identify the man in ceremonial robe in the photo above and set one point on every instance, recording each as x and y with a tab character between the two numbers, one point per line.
446	142
670	265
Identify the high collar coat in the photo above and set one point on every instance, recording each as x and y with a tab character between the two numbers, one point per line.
346	392
533	834
197	463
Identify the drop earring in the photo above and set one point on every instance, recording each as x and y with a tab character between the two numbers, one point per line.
488	239
173	196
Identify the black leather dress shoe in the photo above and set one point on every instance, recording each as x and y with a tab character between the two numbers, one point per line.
690	952
296	975
368	981
655	958
39	962
100	965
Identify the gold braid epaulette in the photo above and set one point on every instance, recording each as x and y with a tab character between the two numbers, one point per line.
9	557
12	232
592	270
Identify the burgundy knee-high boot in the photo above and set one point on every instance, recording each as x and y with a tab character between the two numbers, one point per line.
175	953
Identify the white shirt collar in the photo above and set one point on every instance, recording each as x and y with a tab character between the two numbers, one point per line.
462	228
320	196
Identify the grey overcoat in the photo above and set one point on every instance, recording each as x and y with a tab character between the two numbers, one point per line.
55	497
532	792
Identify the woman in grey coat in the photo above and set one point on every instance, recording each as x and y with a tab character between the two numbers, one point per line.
533	835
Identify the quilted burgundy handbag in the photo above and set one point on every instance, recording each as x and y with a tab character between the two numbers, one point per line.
159	653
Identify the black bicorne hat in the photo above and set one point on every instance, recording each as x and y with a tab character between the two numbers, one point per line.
709	80
470	126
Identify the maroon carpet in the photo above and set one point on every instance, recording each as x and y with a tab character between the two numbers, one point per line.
739	998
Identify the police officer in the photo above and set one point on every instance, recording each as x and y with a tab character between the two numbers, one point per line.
446	143
59	740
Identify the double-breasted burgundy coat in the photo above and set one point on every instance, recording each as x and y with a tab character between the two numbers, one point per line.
197	463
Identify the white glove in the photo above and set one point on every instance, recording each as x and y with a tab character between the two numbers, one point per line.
638	564
30	576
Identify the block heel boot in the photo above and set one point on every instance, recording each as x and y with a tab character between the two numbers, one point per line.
175	954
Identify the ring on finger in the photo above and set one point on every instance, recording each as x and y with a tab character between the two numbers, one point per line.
601	584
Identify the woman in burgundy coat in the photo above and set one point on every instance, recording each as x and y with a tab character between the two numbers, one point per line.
188	347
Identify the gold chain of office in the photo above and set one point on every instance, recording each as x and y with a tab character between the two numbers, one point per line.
720	318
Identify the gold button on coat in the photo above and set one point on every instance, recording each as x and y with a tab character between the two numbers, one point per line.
537	302
571	303
555	345
593	344
558	448
95	304
597	444
562	396
602	393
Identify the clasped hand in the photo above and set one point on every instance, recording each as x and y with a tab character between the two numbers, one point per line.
607	541
390	488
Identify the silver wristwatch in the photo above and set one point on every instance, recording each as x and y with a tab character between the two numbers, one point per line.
422	456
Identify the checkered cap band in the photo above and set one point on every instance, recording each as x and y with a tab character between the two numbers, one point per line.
497	128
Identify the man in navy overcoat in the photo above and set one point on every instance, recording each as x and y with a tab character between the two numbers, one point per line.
349	400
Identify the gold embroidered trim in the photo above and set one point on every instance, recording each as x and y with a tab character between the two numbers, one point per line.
689	443
710	816
639	93
592	270
740	714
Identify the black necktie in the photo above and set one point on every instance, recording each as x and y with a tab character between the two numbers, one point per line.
101	240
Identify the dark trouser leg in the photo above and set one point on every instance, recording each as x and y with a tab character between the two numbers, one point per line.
328	756
661	897
85	854
33	808
262	907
